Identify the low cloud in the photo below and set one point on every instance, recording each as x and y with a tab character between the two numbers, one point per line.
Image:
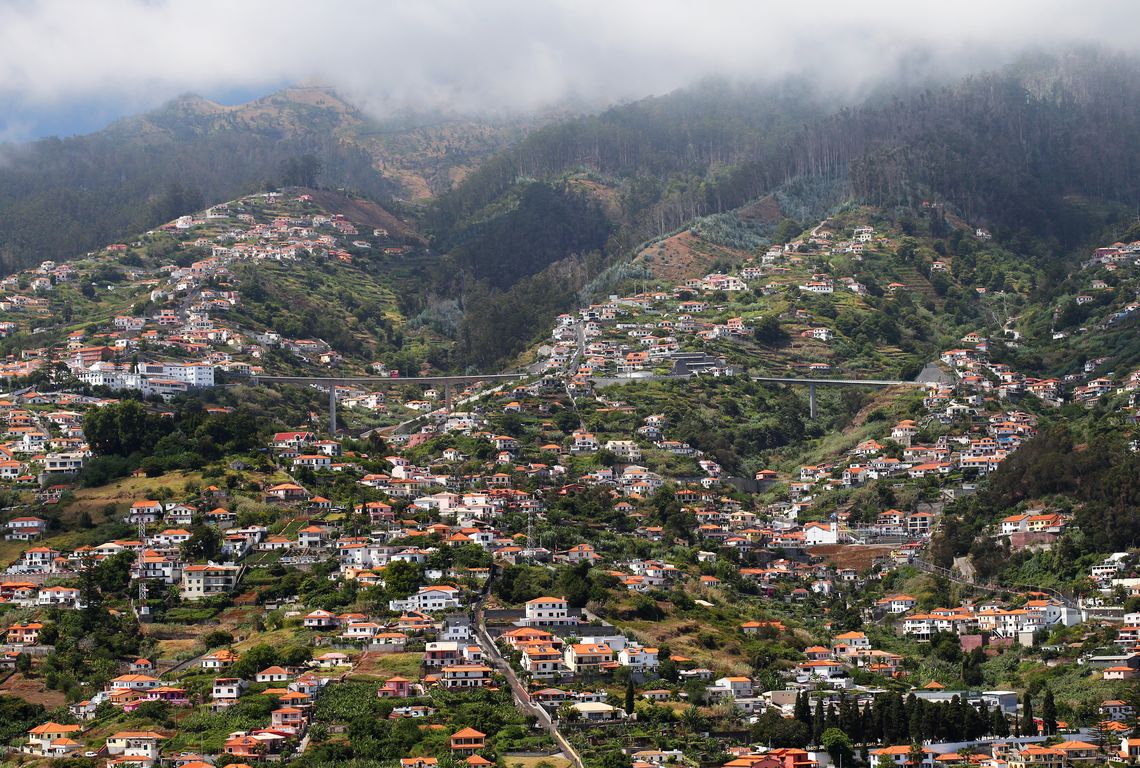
496	56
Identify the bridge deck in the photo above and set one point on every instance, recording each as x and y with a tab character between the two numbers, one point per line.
840	382
610	380
349	380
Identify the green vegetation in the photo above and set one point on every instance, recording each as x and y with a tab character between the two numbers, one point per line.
126	435
1087	468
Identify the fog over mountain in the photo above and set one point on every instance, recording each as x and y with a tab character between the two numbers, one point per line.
67	68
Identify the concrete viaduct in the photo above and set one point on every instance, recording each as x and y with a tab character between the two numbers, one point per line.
449	382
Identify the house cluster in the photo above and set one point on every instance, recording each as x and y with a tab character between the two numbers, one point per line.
42	437
1016	622
551	642
293	692
645	332
189	323
1114	257
157	556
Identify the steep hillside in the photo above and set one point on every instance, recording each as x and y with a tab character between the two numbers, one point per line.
274	282
1041	153
59	197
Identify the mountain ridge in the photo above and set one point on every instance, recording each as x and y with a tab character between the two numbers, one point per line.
59	197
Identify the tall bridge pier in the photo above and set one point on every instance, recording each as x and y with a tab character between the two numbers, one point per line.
332	382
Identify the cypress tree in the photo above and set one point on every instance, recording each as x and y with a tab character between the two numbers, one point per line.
916	724
849	719
870	725
897	721
999	726
1028	724
980	724
802	710
1049	713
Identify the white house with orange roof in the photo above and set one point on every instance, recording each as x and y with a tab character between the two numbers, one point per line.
320	619
820	533
142	744
65	597
587	657
25	528
438	597
547	611
135	682
466	676
738	687
825	669
638	657
52	739
849	643
581	552
146	511
897	603
199	581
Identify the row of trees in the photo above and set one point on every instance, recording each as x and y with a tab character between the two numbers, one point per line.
889	719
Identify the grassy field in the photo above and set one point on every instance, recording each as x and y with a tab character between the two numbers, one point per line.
373	666
290	530
263	558
122	493
276	638
682	637
10	550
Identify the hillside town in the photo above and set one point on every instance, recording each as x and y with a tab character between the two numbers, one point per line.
547	566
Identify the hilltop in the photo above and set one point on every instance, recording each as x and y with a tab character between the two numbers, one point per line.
59	197
420	155
532	216
646	171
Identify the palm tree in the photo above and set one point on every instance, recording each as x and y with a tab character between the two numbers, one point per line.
692	718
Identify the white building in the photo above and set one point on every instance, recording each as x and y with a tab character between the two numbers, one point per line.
199	581
428	599
547	611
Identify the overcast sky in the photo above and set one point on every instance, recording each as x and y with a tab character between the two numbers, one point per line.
69	67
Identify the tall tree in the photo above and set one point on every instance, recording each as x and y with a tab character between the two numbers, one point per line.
205	543
999	725
1049	713
1028	723
802	710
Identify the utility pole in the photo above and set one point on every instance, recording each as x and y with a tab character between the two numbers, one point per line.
141	608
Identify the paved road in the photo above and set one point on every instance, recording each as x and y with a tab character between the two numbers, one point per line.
605	381
839	382
185	664
522	698
378	380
